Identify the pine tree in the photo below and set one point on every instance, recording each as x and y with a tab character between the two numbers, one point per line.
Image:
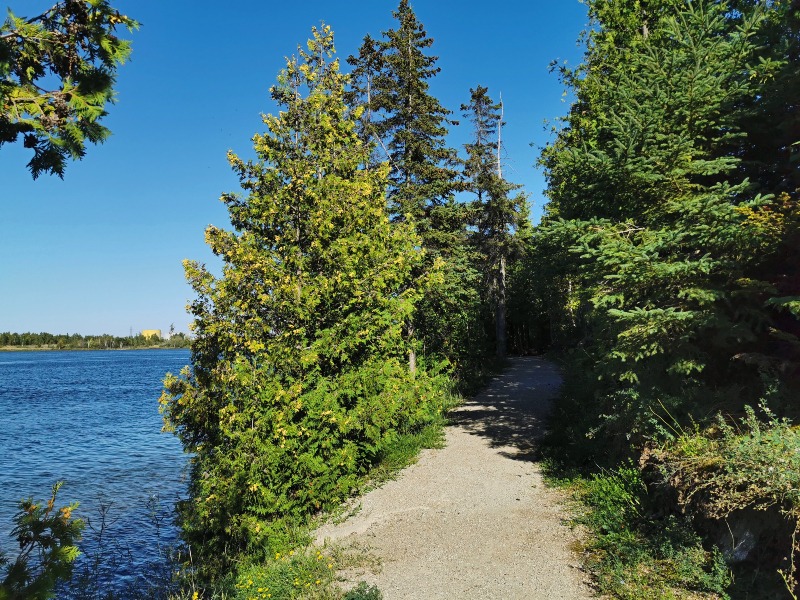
501	221
391	79
409	125
299	378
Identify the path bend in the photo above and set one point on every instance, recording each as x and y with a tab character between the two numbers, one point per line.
474	520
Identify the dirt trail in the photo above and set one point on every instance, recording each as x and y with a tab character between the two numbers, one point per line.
473	520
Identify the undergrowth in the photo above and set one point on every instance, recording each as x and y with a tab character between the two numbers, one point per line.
308	572
632	547
742	467
709	486
632	554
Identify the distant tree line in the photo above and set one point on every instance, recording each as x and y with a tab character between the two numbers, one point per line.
75	341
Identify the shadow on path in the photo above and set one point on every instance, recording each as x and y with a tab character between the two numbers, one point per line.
511	413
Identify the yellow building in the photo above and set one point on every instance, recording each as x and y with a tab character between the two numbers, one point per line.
151	332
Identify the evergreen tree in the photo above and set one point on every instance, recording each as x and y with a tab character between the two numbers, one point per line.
391	80
501	222
409	126
664	241
299	378
57	73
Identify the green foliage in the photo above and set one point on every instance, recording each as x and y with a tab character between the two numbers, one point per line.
500	222
391	79
636	555
57	73
755	464
364	592
287	576
660	258
404	449
307	575
47	540
286	573
299	380
665	269
752	464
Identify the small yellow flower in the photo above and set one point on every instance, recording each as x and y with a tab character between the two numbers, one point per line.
195	596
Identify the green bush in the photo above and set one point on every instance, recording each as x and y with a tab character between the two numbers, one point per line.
635	555
750	464
287	576
364	592
47	540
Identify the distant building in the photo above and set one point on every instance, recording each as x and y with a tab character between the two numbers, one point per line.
151	332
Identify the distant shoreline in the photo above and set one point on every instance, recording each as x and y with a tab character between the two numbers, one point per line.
55	349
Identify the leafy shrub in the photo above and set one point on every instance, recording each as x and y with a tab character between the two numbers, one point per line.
47	540
286	576
751	464
635	555
364	592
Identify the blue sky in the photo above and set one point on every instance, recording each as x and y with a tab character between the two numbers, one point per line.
101	251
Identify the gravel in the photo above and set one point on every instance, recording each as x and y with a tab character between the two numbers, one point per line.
474	519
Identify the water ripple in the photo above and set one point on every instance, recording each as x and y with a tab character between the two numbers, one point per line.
91	419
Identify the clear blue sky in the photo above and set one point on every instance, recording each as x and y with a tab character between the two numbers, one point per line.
101	251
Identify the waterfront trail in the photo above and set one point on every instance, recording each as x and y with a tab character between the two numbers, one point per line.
472	520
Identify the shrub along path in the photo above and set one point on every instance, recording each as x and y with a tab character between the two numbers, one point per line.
474	519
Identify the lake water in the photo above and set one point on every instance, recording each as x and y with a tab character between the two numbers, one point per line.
91	420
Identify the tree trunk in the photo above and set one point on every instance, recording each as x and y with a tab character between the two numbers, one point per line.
412	354
500	310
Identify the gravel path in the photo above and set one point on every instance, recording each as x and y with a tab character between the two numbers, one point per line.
473	520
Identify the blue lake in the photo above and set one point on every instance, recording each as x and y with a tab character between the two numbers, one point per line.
91	420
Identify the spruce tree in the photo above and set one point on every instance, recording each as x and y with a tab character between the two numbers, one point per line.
501	221
664	242
299	377
409	126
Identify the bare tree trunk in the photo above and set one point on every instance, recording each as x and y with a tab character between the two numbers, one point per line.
500	138
500	311
645	27
570	309
412	354
500	306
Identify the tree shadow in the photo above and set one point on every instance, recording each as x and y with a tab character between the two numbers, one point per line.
512	412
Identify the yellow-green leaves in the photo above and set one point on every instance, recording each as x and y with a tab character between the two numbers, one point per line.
58	78
299	375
